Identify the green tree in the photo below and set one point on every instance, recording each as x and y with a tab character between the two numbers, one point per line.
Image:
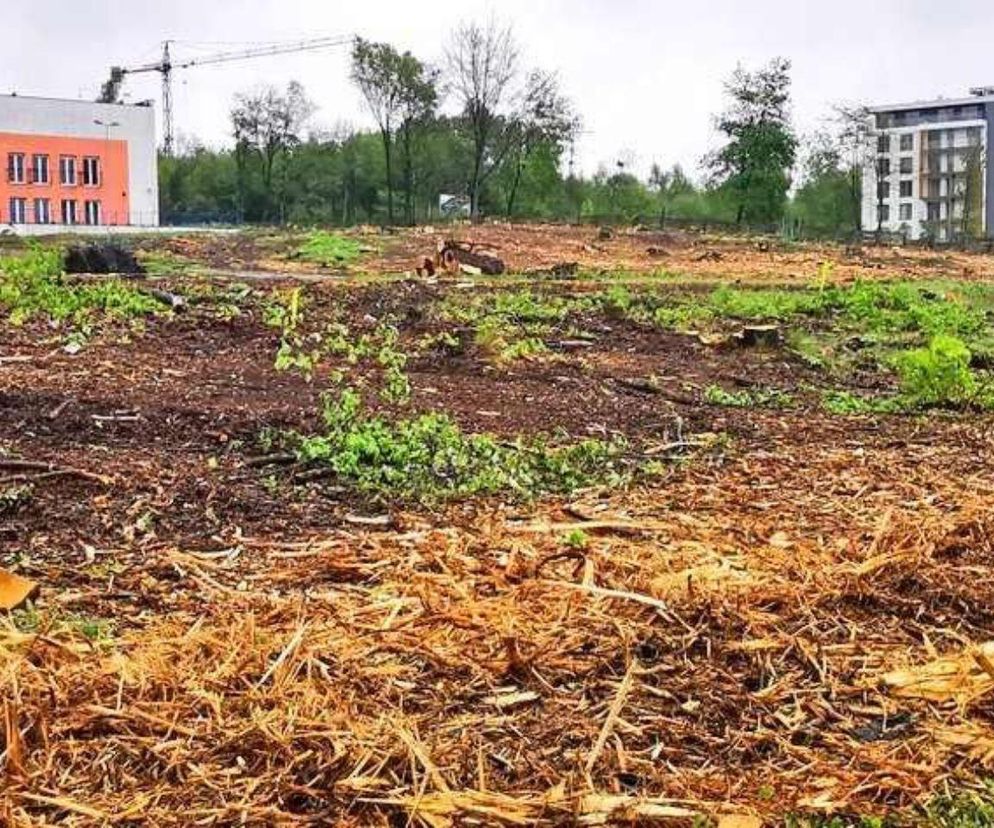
267	124
755	162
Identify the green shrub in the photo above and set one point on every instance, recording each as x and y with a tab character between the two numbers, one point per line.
938	375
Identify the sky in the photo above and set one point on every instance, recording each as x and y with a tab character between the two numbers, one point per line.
647	77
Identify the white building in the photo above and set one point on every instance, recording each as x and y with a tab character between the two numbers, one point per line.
929	175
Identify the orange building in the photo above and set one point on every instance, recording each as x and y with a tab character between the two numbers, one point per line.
76	163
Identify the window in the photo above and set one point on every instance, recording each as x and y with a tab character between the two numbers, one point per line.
18	207
883	213
91	172
15	168
39	169
883	143
68	211
907	165
43	211
92	211
883	167
906	189
905	212
907	142
933	212
67	170
883	191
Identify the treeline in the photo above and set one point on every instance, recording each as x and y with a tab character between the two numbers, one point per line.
507	152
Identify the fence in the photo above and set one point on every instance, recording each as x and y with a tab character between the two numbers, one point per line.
30	214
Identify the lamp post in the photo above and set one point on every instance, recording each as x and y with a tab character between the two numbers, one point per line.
107	127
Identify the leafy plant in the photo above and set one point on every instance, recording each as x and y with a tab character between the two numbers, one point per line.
429	457
938	375
771	397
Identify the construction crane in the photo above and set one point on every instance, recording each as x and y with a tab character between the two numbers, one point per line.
111	89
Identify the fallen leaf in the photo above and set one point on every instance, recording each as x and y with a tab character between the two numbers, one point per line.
14	590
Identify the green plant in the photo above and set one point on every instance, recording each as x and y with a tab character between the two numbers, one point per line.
769	397
577	539
326	249
429	457
13	498
938	375
33	285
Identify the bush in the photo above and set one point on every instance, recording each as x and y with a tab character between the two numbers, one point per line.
938	375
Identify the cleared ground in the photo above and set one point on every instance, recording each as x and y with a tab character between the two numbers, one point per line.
762	587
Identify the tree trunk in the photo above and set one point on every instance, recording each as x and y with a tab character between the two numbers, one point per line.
514	187
388	160
408	177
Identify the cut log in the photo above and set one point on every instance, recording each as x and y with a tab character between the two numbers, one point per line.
753	336
453	255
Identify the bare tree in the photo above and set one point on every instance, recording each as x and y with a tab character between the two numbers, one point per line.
856	141
482	65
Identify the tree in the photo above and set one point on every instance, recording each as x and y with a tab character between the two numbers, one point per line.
668	185
824	201
268	123
482	65
419	99
855	139
754	165
545	118
376	70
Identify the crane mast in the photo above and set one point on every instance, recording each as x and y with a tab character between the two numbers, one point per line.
111	88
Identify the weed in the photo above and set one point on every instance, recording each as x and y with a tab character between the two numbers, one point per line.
577	539
938	375
845	402
429	457
32	285
764	397
326	249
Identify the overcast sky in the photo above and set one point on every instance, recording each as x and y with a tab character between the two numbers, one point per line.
646	76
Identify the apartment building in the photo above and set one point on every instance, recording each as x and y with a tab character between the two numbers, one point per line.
77	163
928	174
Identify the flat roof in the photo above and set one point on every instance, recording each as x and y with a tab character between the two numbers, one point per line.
16	95
934	104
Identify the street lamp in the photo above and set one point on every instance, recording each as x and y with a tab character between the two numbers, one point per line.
107	126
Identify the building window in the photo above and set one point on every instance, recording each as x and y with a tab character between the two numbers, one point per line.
92	209
15	167
907	166
883	191
43	211
39	169
933	212
883	143
68	211
883	213
67	170
906	189
91	172
907	142
18	208
883	167
905	212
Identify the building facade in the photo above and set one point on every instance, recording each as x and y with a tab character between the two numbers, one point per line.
77	163
927	174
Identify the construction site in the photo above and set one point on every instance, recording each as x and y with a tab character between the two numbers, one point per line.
451	470
353	529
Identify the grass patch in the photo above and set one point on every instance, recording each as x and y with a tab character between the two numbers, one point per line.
328	250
